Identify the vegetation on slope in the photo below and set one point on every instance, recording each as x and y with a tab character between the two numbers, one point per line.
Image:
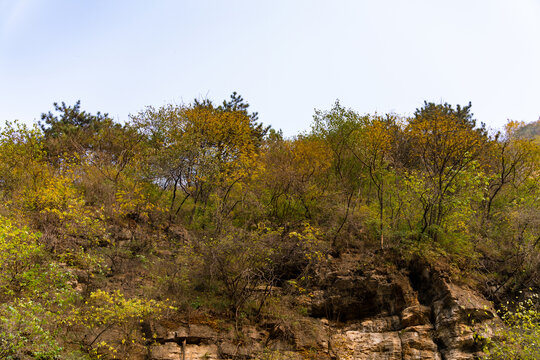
529	131
200	210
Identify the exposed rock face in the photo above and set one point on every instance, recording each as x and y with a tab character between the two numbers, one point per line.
183	341
417	343
359	296
173	351
415	313
461	315
166	351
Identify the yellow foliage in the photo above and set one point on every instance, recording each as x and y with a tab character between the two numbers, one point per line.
58	202
112	311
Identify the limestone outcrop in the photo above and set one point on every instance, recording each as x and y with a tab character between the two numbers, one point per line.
412	313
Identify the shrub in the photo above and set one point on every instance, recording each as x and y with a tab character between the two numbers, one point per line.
112	313
23	334
520	339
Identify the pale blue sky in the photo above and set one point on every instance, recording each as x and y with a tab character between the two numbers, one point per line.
285	57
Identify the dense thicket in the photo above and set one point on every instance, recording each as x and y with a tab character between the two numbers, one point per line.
199	207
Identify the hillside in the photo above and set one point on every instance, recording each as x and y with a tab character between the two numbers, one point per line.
529	131
196	232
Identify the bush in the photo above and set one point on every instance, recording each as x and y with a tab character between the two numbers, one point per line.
34	293
112	321
23	334
520	339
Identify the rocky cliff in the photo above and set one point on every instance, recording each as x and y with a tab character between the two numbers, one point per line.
357	311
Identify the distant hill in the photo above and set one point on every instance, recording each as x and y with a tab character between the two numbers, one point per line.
529	131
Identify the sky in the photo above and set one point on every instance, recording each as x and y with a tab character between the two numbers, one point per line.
285	57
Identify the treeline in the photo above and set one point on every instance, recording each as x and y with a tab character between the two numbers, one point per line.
102	223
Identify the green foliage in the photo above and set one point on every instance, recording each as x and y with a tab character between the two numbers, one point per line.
21	159
236	104
200	153
109	312
19	252
293	173
70	132
69	120
203	204
446	145
529	131
60	209
240	263
23	332
35	295
520	339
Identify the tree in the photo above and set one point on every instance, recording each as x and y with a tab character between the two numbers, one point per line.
237	104
337	127
33	295
372	147
199	149
446	143
294	172
22	162
70	130
362	148
511	159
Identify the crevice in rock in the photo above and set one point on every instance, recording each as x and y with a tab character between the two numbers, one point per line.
440	346
181	340
188	340
410	311
422	281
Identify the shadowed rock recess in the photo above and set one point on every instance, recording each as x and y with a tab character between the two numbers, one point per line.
410	313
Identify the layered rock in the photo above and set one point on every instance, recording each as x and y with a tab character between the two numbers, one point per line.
371	315
462	319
